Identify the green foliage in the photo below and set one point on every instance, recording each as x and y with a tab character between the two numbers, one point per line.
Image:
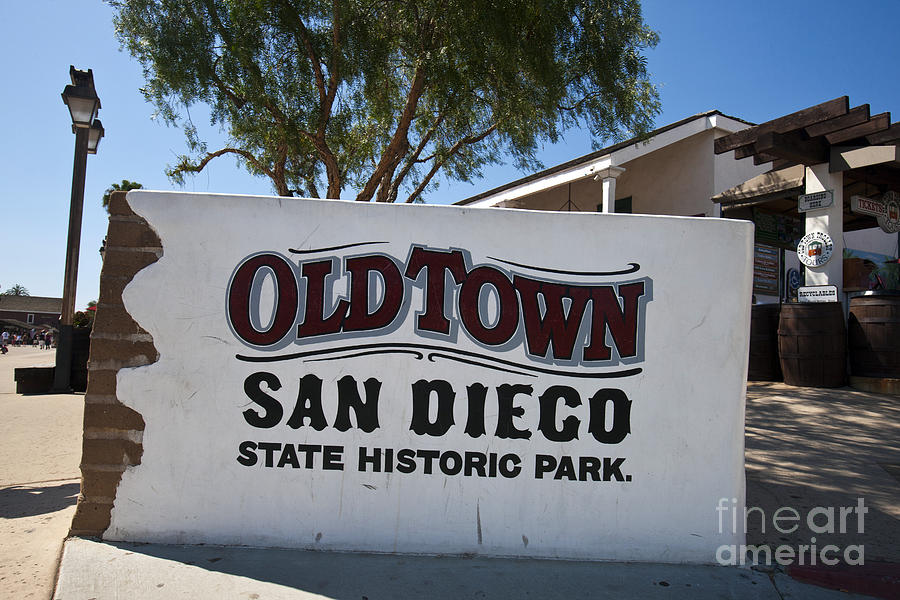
382	95
17	290
83	319
125	186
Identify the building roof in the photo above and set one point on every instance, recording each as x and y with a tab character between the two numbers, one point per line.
31	304
598	154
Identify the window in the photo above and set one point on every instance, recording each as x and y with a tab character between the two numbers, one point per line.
30	318
623	205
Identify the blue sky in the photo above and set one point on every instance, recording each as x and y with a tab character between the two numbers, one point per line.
754	60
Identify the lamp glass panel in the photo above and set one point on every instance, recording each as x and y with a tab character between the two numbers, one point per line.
95	133
82	109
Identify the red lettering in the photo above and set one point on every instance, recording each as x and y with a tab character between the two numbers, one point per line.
315	322
359	268
621	321
436	263
240	305
556	325
469	297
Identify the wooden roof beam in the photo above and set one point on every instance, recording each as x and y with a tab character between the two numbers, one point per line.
792	146
856	116
892	134
762	158
876	124
797	120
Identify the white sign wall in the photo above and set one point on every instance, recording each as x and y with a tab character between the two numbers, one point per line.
423	379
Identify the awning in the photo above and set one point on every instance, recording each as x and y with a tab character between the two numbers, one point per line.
26	326
764	188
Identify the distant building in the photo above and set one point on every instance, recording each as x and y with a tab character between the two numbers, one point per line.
29	311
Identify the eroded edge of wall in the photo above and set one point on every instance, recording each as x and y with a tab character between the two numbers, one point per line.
113	432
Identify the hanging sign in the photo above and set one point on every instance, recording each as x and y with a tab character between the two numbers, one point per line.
815	201
886	210
814	249
890	221
867	206
817	293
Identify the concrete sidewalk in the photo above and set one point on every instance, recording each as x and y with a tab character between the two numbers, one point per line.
40	450
106	571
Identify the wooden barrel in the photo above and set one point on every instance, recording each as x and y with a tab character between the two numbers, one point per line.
812	344
874	335
764	364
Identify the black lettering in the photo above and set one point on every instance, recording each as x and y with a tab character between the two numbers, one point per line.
475	420
272	407
248	454
510	471
612	469
566	469
506	395
289	456
475	462
543	463
348	397
428	457
309	451
309	404
588	465
621	421
549	401
406	460
332	459
365	459
269	448
421	397
451	462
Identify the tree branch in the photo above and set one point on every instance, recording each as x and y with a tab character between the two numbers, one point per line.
399	143
439	162
413	158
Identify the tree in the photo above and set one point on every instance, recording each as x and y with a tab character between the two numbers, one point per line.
85	318
381	95
17	290
125	186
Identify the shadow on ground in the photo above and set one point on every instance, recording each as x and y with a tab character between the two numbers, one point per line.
27	500
815	451
348	576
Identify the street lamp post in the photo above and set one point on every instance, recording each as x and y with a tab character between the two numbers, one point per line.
83	103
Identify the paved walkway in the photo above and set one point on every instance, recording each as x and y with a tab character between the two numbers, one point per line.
40	450
809	448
